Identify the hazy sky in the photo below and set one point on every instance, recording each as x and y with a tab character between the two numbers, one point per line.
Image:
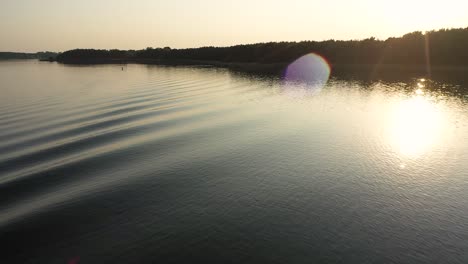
58	25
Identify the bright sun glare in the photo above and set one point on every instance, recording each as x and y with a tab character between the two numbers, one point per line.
415	125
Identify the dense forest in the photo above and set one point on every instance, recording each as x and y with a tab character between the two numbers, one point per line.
27	56
446	47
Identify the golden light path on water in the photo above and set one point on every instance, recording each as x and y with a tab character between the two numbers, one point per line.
416	124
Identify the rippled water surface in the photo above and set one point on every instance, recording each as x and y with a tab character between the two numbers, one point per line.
151	164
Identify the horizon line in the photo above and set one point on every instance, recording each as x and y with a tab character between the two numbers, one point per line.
243	44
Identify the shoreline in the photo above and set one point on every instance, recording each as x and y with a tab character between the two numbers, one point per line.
241	66
372	71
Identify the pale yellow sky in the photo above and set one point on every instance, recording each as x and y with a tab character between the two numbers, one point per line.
58	25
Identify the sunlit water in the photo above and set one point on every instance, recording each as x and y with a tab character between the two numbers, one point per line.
150	164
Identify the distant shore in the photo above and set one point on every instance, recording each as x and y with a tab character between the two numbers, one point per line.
363	71
47	55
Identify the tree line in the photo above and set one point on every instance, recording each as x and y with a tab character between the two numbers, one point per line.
441	47
46	55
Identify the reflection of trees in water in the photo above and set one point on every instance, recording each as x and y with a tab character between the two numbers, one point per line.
441	77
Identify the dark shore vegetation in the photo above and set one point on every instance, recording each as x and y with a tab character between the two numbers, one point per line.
446	47
28	56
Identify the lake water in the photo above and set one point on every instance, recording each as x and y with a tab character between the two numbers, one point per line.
152	164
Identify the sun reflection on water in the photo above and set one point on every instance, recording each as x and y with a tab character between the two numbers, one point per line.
416	125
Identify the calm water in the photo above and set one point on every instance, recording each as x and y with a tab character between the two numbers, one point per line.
157	164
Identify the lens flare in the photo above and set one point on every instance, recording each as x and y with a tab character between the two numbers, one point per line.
311	69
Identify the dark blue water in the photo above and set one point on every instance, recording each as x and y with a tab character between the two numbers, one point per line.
149	164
